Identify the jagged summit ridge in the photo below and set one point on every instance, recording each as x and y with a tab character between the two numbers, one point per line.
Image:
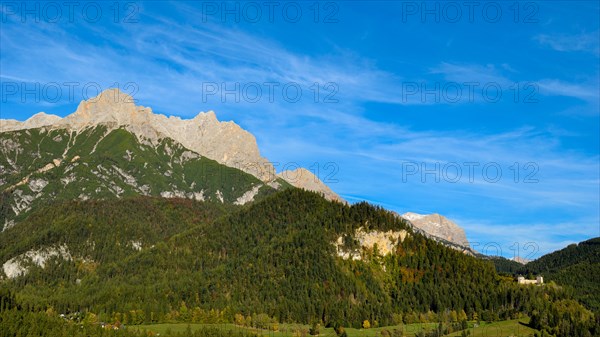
225	142
38	120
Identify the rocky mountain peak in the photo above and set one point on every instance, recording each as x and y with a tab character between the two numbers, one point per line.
438	226
208	117
112	97
410	216
111	106
225	142
42	119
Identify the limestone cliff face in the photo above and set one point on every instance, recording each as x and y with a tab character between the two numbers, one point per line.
224	142
438	226
303	178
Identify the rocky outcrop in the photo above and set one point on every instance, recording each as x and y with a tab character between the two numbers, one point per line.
19	265
303	178
248	196
224	142
438	226
520	260
384	242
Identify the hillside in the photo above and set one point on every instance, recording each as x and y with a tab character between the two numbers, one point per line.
41	166
575	266
586	251
506	266
293	255
93	233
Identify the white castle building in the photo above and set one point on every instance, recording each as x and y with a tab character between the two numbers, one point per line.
538	280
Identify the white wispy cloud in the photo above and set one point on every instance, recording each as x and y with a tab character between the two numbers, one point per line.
478	73
185	58
554	87
587	90
583	42
170	60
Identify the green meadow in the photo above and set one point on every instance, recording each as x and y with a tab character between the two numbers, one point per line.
516	328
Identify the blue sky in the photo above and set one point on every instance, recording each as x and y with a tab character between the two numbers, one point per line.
409	94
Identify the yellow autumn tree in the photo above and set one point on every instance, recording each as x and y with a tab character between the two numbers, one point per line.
239	319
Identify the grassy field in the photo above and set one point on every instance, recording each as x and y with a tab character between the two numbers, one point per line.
501	329
285	330
496	329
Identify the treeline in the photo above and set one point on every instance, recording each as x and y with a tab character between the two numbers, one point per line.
586	251
564	318
576	267
506	266
16	321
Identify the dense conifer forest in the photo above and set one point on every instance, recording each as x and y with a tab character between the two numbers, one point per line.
149	260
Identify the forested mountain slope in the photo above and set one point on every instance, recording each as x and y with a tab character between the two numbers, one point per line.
293	255
44	165
576	266
98	232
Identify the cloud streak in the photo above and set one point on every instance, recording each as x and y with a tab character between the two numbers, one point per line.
583	42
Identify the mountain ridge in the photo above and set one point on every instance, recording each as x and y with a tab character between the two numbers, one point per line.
225	142
303	178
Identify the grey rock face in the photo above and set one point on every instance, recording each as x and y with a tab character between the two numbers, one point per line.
303	178
438	226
